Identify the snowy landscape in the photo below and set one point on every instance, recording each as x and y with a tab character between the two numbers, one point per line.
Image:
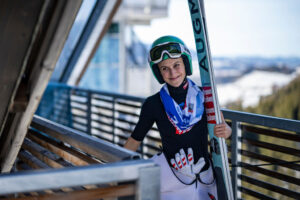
247	79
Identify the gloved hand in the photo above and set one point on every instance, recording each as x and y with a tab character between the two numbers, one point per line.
182	164
196	168
206	176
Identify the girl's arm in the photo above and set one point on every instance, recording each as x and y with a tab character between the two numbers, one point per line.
132	144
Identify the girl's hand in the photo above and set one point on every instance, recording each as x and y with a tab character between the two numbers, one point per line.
222	130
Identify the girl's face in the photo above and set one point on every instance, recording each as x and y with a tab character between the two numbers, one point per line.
172	71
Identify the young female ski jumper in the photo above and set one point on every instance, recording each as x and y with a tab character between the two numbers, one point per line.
178	111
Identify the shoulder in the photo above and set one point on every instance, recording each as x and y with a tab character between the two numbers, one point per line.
152	102
153	99
150	107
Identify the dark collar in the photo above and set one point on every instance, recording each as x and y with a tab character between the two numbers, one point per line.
181	89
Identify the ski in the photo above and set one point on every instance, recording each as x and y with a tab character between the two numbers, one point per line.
217	145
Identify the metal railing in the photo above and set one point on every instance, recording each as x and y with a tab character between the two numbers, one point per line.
263	151
144	174
265	154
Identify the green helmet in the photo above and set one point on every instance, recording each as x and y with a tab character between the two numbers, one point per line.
169	47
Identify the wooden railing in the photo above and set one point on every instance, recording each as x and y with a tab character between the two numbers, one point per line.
263	151
63	163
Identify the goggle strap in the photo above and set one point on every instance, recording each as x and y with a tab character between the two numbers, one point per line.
182	49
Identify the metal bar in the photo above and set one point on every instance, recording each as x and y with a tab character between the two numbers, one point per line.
89	113
234	155
78	176
99	122
82	41
127	113
275	122
101	107
103	115
114	119
263	120
155	139
123	129
100	98
109	94
103	21
148	183
272	133
269	159
272	174
126	121
255	194
273	147
129	105
271	187
104	131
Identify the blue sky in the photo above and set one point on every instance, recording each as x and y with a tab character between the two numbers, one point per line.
267	28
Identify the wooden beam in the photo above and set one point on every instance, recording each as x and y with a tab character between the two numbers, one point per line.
17	23
32	161
44	155
73	156
93	194
62	16
21	99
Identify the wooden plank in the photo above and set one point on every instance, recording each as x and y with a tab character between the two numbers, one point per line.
44	155
91	145
73	156
32	161
93	194
20	165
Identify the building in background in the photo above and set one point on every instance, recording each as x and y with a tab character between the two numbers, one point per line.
120	60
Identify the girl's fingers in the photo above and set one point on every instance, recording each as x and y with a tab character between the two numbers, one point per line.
174	164
183	157
178	160
190	156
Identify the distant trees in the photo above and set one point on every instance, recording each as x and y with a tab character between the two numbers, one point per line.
284	102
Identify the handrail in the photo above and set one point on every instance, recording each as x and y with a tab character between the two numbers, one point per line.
144	172
263	120
88	144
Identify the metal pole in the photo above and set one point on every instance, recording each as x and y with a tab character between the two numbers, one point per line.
89	113
235	156
114	120
148	187
234	152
